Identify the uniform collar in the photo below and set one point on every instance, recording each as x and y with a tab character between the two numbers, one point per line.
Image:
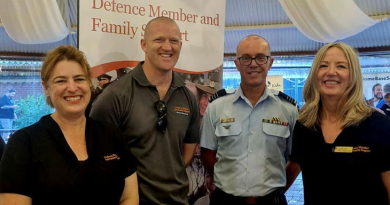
140	77
267	93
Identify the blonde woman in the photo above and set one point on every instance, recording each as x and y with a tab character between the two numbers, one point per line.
341	144
67	158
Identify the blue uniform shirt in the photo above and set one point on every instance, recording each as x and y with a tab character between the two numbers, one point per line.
251	142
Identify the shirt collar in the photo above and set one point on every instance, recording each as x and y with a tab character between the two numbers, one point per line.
267	93
140	77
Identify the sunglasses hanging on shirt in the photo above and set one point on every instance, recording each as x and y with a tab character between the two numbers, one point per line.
162	121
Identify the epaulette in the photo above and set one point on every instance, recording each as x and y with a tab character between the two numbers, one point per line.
287	98
220	93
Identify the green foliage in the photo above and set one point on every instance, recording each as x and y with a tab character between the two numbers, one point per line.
30	110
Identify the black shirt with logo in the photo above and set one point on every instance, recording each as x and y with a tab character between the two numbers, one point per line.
130	104
349	170
39	163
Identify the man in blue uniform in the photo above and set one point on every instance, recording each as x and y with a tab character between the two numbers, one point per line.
246	134
7	111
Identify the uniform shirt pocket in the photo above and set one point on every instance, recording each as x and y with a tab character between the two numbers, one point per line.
230	142
276	130
275	139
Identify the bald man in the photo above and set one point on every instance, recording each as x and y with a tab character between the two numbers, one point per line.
158	115
246	134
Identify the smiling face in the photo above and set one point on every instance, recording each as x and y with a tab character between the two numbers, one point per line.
161	45
333	74
378	92
253	75
68	88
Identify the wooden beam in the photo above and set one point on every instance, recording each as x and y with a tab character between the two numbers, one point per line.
21	56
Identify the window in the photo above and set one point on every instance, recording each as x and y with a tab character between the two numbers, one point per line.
24	78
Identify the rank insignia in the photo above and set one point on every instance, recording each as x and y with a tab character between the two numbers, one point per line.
226	120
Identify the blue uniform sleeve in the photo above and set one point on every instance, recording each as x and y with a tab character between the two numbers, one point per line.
208	139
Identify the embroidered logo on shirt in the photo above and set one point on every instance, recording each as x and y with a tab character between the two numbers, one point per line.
111	157
361	149
227	126
276	121
182	111
226	120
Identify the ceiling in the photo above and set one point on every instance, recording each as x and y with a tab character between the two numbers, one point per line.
244	17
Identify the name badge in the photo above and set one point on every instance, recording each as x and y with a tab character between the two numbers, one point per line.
226	120
340	149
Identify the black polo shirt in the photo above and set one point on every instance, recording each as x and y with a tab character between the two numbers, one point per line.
349	170
129	103
39	163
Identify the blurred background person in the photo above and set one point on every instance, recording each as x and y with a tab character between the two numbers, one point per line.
7	112
377	93
196	172
104	79
67	158
209	87
103	82
341	144
386	89
386	107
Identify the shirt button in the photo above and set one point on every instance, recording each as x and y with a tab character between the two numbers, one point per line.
250	151
252	132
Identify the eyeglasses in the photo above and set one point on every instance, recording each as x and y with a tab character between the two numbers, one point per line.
162	121
246	60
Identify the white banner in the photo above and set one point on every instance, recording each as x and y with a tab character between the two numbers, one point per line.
110	32
275	82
